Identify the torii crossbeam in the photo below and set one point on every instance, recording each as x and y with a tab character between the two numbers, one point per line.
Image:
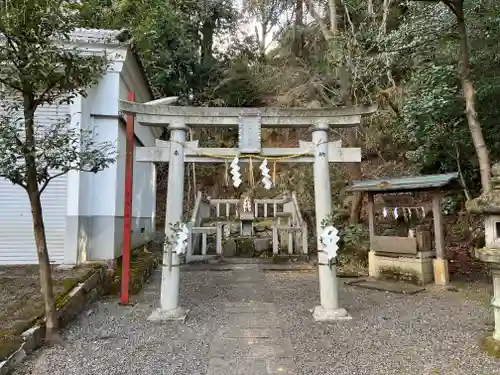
249	121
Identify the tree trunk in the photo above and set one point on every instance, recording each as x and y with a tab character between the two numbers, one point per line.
370	7
262	41
52	322
344	77
470	100
332	6
207	41
352	141
298	45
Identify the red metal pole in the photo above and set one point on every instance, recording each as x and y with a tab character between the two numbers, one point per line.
127	206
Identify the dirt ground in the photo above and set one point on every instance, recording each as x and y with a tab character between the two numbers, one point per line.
21	299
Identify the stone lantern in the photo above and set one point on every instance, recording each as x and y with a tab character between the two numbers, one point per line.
488	205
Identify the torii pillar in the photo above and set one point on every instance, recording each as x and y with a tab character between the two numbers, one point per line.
170	273
328	284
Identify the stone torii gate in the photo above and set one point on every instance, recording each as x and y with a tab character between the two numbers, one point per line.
249	121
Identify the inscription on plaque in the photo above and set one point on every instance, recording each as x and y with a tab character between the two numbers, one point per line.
246	207
249	133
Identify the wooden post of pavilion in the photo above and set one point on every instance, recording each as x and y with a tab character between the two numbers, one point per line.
440	264
372	270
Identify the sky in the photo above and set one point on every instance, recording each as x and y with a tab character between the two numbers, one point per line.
248	28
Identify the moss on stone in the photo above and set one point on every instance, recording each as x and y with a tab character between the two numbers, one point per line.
68	284
27	309
485	204
9	343
142	261
399	274
491	346
62	298
245	246
214	220
281	259
488	203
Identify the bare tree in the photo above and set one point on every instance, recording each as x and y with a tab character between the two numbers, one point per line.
343	74
269	15
298	45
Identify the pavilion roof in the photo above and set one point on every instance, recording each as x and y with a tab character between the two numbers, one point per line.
400	184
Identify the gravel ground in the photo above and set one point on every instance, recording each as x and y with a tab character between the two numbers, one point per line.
433	332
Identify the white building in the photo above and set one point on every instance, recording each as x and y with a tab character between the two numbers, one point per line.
83	212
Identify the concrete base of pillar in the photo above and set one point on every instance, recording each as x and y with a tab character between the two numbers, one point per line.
491	346
321	314
178	314
441	273
496	336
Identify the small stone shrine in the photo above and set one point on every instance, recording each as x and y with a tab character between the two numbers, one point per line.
488	205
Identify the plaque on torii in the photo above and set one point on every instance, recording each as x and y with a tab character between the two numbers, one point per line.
249	134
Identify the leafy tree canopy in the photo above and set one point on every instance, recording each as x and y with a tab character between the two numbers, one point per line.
40	67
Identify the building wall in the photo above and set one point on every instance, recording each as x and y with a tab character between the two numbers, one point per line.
100	221
144	174
98	191
83	211
17	243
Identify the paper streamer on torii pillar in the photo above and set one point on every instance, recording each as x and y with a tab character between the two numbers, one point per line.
181	242
329	237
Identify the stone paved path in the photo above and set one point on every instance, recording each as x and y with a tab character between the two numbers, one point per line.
244	321
253	340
